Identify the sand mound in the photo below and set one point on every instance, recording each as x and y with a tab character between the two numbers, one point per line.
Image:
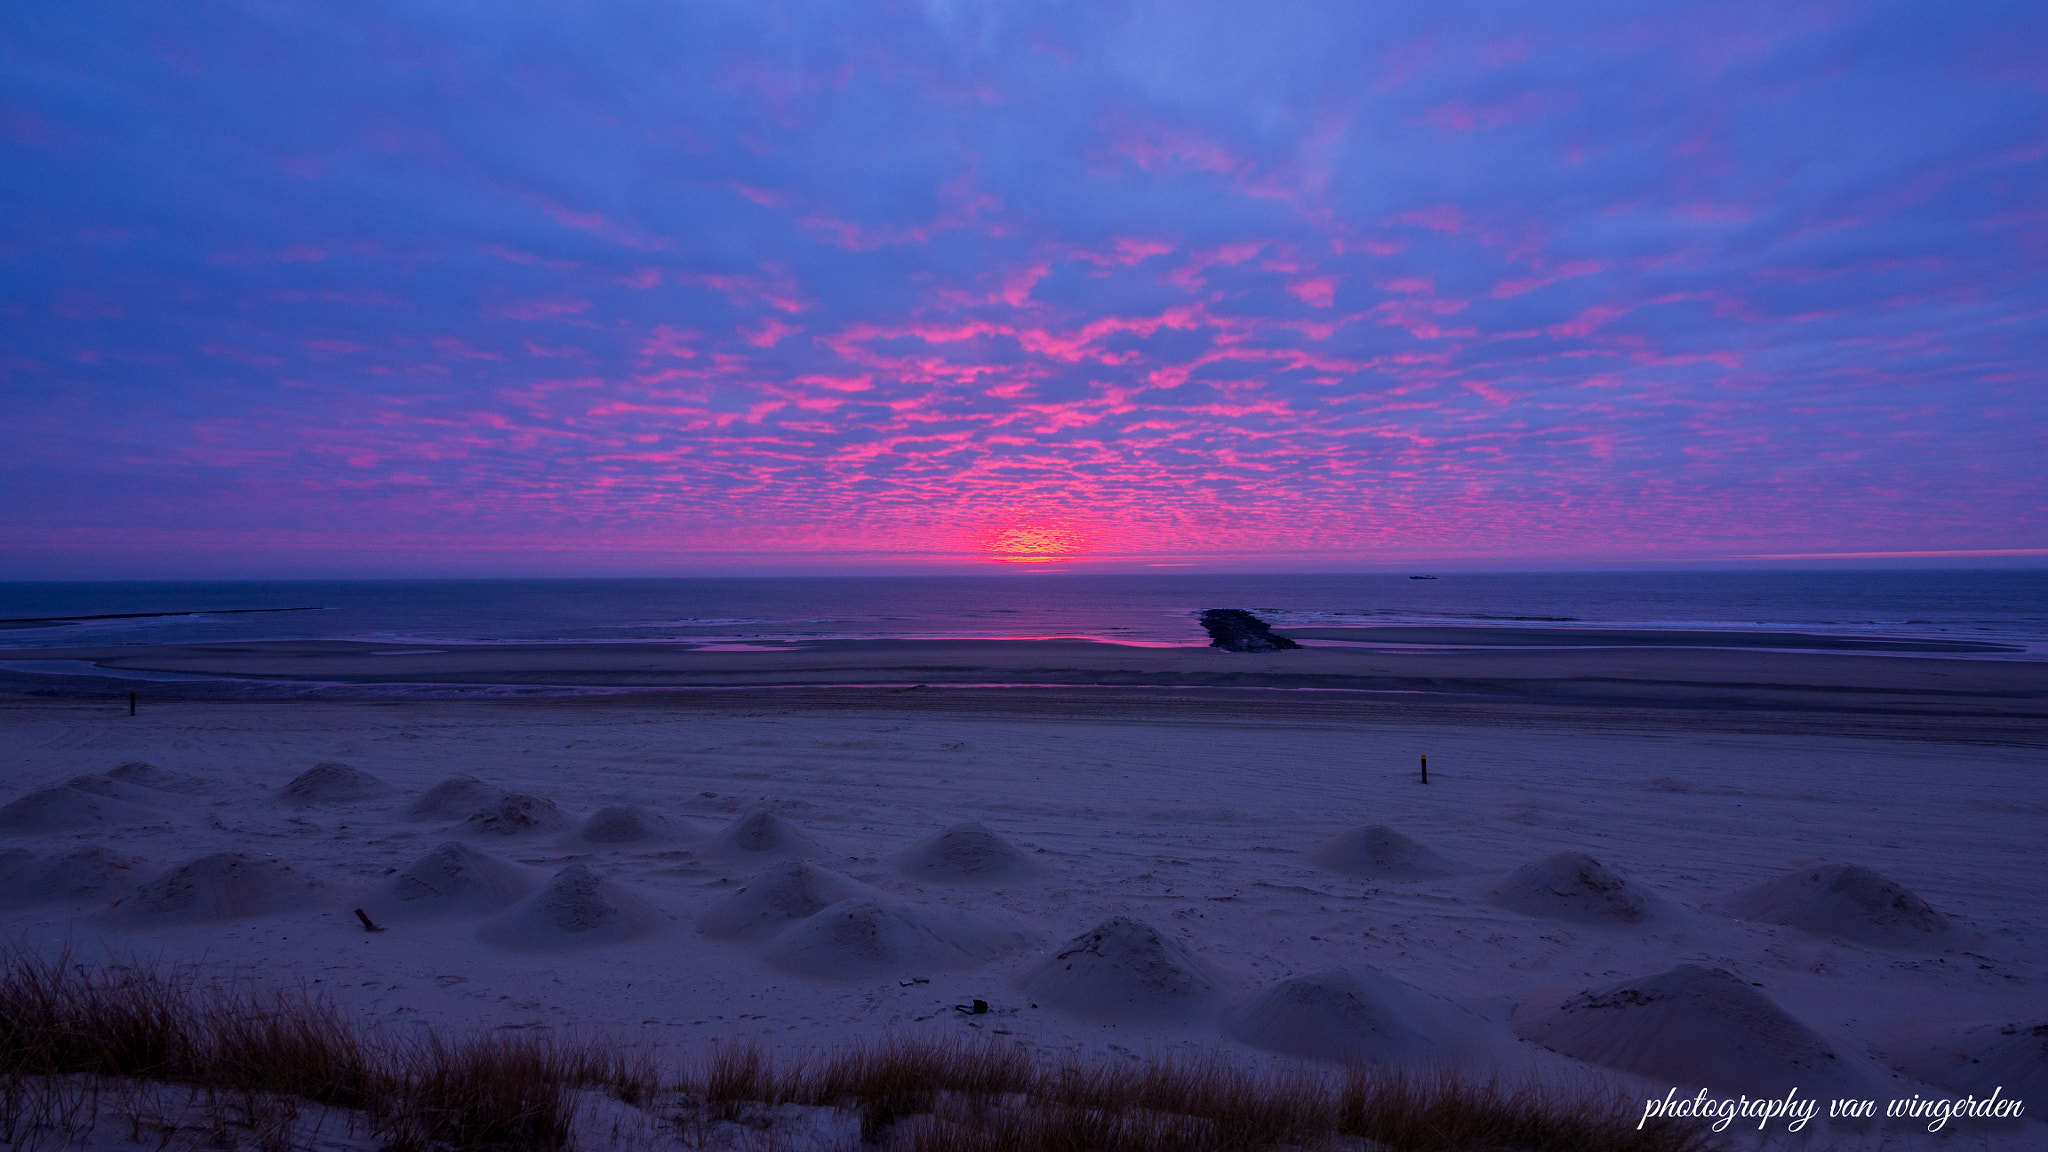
966	854
515	814
452	880
625	824
1974	1061
332	783
157	779
864	939
228	886
776	897
1352	1014
64	807
579	908
90	873
1122	969
761	834
452	799
1378	851
1847	901
1694	1026
114	789
1574	886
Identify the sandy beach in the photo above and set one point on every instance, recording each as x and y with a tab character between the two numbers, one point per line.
771	861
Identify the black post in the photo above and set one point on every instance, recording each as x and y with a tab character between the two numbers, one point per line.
131	703
1425	767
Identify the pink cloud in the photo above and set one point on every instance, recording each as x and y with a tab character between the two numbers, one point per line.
1318	291
768	332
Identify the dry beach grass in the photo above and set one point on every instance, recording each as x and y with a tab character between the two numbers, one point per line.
74	1041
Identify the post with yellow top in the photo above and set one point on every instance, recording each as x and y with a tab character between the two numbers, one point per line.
1425	767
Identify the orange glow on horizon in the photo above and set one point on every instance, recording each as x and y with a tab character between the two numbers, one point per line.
1032	544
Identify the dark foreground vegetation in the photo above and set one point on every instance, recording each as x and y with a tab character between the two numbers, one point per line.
87	1048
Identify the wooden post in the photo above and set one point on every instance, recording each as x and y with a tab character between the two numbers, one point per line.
131	703
1425	767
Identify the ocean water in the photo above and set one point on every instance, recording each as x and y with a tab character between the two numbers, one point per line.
2001	605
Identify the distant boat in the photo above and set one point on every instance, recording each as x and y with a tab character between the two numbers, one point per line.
1422	577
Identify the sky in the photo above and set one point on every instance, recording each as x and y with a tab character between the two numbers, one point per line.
619	287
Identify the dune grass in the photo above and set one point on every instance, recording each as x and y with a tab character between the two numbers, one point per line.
75	1040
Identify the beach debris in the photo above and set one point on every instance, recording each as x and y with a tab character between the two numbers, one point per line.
1356	1014
1574	886
1848	901
966	854
977	1008
515	814
1123	970
1236	630
332	782
579	907
865	938
452	799
452	880
914	980
368	924
1697	1027
224	886
777	897
761	834
1378	852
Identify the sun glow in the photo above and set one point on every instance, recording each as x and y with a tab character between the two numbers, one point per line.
1032	544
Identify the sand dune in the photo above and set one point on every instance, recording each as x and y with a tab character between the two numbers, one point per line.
966	854
224	886
1379	852
863	939
89	873
452	880
332	783
146	775
452	799
1349	1015
626	824
1847	901
776	897
65	808
1700	1027
514	814
761	835
1124	970
1573	886
579	908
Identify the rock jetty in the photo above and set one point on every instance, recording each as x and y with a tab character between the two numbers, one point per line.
1236	630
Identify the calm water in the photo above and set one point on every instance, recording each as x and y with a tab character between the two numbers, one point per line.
2005	604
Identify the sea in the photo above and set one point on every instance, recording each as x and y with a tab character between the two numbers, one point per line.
2006	605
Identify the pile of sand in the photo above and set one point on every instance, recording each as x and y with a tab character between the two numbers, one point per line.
775	898
514	814
761	834
1376	852
864	939
1847	901
1697	1027
113	789
626	824
159	779
452	880
579	908
452	799
1974	1061
89	873
966	854
332	783
1123	970
1350	1015
227	886
67	807
1574	886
